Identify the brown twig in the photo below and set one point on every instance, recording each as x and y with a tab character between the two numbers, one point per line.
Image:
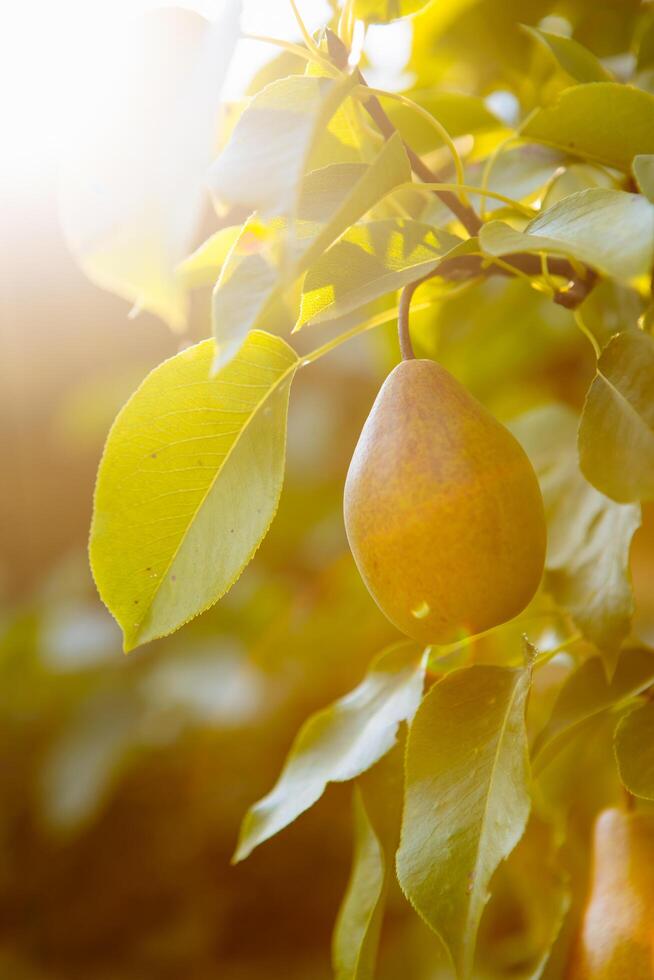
467	216
466	267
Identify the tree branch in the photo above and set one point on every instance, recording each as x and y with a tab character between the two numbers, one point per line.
465	267
466	215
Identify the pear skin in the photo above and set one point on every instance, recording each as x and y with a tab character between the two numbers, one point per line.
442	508
617	933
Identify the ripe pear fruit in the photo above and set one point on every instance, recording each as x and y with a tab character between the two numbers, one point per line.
617	933
442	508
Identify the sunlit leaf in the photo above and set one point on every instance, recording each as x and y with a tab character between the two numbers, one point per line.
384	11
251	289
610	230
201	268
467	801
572	56
603	122
377	812
189	483
457	112
616	432
634	750
133	188
589	535
339	742
369	261
644	173
575	177
586	694
263	163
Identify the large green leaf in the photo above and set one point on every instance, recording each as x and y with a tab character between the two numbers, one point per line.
572	56
634	750
133	181
189	483
585	694
610	230
250	289
377	814
384	11
369	261
616	432
467	802
459	113
603	122
339	742
262	165
589	535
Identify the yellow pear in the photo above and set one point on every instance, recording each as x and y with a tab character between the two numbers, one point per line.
617	933
442	508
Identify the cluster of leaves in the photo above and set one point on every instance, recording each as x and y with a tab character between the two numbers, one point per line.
326	212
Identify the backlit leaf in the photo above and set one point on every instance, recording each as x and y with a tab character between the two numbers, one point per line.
466	802
589	535
608	229
585	694
189	483
201	268
616	432
263	163
572	56
384	11
133	187
634	750
369	261
250	290
339	742
603	122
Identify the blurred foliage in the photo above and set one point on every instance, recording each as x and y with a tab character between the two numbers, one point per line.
123	781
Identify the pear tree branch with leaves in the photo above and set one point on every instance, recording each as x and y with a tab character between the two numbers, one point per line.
499	550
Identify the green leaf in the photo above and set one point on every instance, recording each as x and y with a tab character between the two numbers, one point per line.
644	173
457	112
250	291
377	814
587	693
262	165
466	802
634	750
339	742
610	308
369	261
603	122
646	47
608	229
189	483
132	188
589	535
572	56
616	432
201	268
384	11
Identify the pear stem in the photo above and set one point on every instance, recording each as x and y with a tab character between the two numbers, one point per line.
404	334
